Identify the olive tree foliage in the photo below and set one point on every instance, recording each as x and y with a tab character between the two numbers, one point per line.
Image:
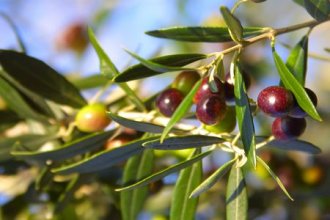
58	162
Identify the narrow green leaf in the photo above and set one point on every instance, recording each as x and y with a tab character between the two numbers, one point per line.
44	178
211	180
137	168
156	66
181	110
279	182
136	125
30	141
318	9
183	142
89	82
297	60
140	71
30	72
300	2
132	96
183	207
15	102
244	116
294	86
107	67
202	34
69	191
236	196
15	30
34	98
234	25
294	145
76	147
172	169
103	159
109	70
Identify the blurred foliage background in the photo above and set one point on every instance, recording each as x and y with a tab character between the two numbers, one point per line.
121	24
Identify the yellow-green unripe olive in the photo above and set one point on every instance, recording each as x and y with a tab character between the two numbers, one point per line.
226	125
92	118
185	81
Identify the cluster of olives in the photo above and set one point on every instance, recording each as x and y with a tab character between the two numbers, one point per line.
211	106
280	103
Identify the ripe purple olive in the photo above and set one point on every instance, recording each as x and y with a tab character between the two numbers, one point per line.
275	101
288	128
185	81
226	125
168	101
229	86
210	110
92	118
297	111
205	90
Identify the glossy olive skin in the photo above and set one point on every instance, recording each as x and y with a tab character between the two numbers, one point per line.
185	81
275	101
168	101
297	111
210	110
226	125
229	86
92	118
286	128
205	90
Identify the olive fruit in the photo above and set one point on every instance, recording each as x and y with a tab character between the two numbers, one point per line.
92	118
275	101
297	111
205	91
226	125
288	128
168	101
185	81
211	109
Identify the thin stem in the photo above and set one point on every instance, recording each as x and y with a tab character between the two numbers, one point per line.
271	33
97	96
237	4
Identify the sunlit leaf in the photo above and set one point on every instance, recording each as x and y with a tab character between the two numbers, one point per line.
234	25
202	34
156	66
279	182
291	83
244	116
297	60
181	110
236	196
183	207
30	72
140	71
211	180
107	67
172	169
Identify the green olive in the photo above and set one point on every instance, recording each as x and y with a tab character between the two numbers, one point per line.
92	118
226	125
185	81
